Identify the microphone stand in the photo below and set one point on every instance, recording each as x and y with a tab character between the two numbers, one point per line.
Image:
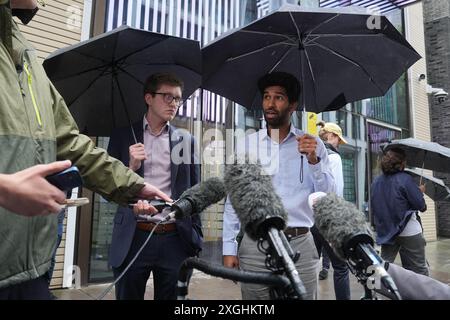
369	265
283	250
281	284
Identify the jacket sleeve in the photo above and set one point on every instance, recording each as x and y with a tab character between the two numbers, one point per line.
100	172
190	228
412	192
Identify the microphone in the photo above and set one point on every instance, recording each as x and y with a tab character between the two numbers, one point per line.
253	198
196	199
261	212
345	229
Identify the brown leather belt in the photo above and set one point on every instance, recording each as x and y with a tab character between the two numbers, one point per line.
296	231
161	228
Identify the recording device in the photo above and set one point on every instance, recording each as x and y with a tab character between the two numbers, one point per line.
196	199
67	179
159	205
262	214
192	201
345	229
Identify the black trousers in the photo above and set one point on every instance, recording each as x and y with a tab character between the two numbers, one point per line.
36	289
162	256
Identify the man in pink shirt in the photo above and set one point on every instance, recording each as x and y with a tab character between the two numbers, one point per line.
153	157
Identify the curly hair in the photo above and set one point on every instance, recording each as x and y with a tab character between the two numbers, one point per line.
283	79
393	161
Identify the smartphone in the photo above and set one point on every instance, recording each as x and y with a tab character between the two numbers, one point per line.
66	180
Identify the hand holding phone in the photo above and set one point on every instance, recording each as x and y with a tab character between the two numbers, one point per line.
67	179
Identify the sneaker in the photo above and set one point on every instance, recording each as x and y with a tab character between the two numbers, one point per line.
323	274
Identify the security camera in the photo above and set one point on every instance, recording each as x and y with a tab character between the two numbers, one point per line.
439	94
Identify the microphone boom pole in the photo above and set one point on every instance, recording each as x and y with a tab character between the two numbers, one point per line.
280	247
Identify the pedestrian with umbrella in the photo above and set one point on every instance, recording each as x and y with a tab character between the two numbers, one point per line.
395	202
278	149
128	84
333	53
155	157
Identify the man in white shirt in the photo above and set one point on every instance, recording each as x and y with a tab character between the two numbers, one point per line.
294	177
332	136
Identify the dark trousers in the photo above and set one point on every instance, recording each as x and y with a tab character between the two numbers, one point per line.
340	275
412	253
36	289
162	256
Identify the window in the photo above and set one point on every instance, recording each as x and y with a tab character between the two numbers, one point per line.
349	172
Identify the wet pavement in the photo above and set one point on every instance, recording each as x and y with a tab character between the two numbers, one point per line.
206	287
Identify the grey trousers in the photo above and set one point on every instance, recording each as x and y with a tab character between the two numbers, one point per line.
251	259
412	253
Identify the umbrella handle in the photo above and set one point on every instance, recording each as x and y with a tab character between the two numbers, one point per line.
421	176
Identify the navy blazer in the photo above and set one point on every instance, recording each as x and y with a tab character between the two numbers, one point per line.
183	176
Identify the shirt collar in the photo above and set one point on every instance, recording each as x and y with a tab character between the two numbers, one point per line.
265	136
146	126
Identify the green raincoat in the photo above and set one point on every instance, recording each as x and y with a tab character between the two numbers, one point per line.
36	127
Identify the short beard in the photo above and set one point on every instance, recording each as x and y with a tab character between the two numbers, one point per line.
278	122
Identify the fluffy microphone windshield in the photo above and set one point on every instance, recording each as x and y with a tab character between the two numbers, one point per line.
204	194
338	221
253	197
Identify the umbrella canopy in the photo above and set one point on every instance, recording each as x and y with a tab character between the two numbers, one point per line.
334	53
102	79
422	154
434	188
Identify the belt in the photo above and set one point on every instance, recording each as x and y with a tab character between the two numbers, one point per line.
296	231
161	228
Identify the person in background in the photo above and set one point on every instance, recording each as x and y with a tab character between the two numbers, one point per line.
152	158
395	202
331	135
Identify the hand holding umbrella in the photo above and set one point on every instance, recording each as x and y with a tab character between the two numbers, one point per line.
307	145
433	187
422	186
137	155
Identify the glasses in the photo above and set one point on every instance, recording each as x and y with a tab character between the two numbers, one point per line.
168	98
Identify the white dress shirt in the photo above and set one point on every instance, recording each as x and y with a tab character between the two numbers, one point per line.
282	161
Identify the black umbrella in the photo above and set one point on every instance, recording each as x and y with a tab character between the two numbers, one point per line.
335	54
434	188
102	79
422	154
